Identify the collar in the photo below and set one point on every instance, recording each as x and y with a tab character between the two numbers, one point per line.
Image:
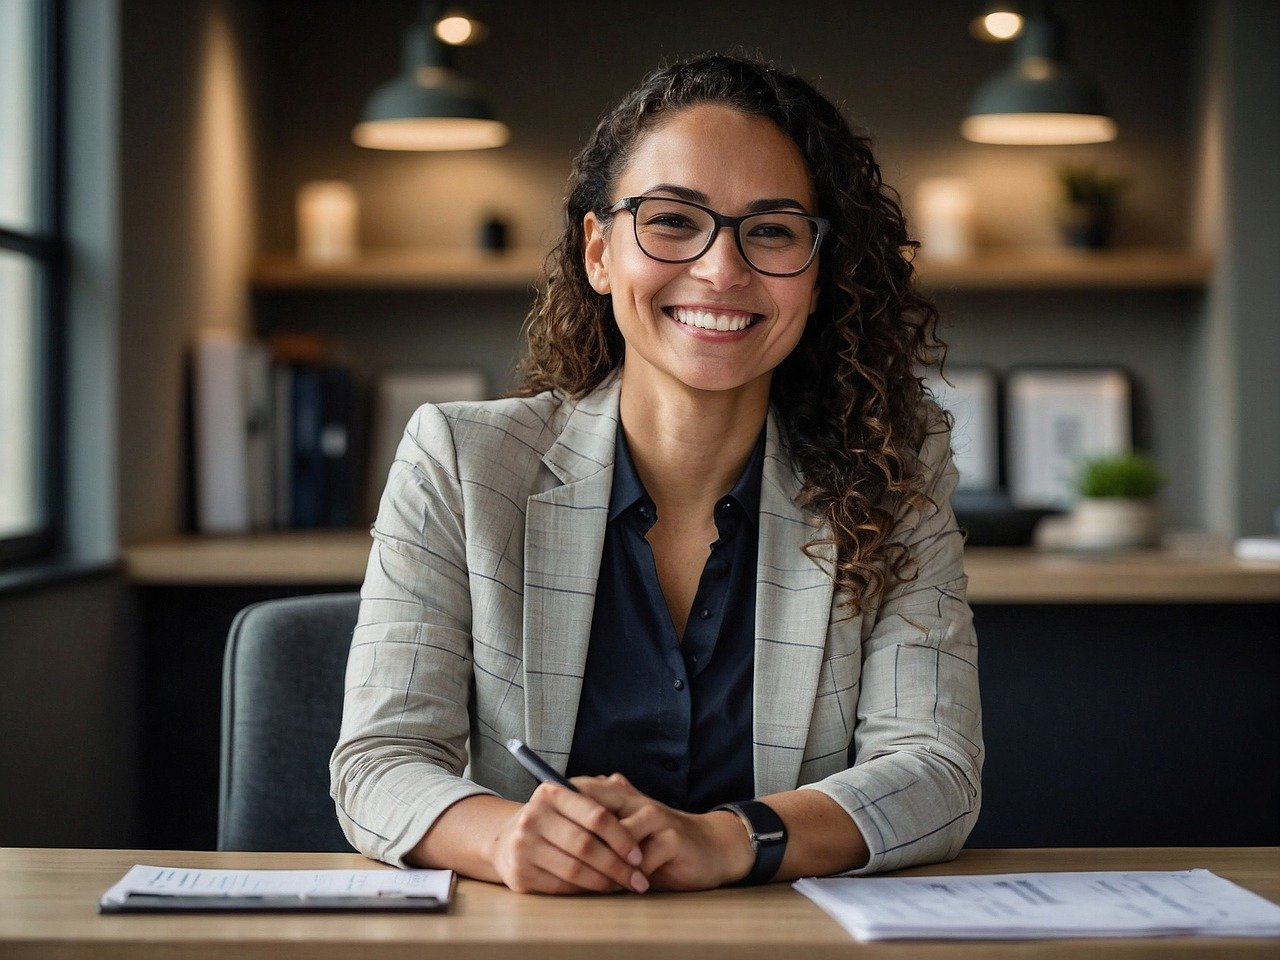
628	489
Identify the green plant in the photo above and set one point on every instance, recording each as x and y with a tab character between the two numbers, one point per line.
1124	475
1087	186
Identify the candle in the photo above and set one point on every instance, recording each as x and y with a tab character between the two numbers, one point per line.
944	218
327	216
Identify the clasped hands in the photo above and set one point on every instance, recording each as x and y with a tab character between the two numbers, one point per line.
611	837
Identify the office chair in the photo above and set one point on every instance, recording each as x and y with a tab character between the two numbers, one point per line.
282	689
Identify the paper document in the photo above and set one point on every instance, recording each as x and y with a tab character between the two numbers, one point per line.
1019	906
189	883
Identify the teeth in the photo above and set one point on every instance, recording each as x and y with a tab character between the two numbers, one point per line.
706	320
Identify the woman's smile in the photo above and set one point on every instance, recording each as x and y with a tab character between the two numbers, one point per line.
713	319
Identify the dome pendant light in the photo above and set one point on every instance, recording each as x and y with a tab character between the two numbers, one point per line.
429	106
1040	99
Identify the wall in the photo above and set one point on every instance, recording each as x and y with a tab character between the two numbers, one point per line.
1238	345
905	71
187	197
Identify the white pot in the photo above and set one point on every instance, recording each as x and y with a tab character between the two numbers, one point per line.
1115	523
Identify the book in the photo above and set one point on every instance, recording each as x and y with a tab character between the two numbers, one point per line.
306	476
220	422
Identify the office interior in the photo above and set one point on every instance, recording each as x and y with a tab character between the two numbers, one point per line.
191	127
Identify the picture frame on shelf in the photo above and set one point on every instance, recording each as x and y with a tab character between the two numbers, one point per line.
1058	417
397	395
971	395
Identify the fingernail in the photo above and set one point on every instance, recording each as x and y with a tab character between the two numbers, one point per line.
635	857
638	882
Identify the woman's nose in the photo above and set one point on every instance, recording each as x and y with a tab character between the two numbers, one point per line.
722	265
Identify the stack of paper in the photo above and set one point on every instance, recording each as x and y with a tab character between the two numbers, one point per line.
182	888
1019	906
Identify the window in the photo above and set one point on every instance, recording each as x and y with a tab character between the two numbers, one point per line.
31	262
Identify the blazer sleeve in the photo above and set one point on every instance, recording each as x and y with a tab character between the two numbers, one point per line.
402	749
915	787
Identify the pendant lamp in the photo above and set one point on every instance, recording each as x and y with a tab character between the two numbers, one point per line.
429	106
1040	99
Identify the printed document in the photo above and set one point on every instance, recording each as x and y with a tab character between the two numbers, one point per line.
1029	906
184	882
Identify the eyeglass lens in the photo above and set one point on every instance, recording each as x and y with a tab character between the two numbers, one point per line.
672	230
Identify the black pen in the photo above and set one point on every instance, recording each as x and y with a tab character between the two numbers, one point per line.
542	771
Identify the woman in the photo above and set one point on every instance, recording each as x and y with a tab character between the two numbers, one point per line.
724	353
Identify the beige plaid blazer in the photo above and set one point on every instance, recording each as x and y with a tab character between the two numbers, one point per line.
476	611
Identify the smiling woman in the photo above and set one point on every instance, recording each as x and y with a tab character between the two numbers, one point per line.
706	563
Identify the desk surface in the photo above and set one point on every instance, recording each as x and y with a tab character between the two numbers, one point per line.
49	900
996	574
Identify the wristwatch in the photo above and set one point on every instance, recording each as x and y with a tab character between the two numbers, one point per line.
768	836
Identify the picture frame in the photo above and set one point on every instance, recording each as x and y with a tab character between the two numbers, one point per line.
972	399
1058	417
397	395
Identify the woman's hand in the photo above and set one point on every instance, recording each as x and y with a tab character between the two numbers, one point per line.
682	851
566	842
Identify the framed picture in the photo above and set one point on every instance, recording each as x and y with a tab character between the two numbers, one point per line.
1057	419
398	396
971	398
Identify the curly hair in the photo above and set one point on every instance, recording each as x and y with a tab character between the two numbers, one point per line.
851	403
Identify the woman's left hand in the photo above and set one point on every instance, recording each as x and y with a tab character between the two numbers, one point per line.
682	851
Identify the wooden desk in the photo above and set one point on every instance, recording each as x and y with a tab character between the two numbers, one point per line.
48	902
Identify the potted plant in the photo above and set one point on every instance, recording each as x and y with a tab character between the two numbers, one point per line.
1118	507
1088	211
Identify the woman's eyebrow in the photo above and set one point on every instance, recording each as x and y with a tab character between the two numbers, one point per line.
697	196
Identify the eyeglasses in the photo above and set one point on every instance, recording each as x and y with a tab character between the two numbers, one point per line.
778	243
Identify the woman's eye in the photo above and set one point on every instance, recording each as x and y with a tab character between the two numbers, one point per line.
671	221
773	231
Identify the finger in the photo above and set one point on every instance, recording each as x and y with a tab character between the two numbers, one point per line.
570	839
659	840
614	792
534	879
595	817
575	856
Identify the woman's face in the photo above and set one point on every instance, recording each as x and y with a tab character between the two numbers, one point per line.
730	162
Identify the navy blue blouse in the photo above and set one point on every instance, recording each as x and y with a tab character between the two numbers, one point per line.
672	716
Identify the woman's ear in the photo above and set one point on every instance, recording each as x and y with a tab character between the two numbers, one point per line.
595	253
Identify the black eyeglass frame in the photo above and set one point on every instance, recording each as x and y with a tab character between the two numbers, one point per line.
631	204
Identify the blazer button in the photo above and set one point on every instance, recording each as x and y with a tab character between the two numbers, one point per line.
679	684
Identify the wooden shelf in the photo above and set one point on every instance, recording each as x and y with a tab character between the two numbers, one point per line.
1014	269
294	557
996	574
406	269
1057	269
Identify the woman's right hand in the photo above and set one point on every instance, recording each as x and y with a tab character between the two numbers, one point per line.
565	842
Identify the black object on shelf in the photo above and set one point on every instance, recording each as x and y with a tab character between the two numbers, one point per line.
991	519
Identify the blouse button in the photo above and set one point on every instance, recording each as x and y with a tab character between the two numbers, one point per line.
704	613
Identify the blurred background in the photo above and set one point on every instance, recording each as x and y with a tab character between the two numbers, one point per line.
215	307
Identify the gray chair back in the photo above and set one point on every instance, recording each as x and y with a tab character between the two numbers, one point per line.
282	690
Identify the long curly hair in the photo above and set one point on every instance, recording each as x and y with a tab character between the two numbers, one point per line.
851	402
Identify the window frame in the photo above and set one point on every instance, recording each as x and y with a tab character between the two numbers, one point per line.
45	246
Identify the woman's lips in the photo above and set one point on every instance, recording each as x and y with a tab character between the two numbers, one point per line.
711	318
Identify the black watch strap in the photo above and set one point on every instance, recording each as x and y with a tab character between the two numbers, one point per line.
768	837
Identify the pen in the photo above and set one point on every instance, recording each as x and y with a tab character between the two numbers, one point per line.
542	771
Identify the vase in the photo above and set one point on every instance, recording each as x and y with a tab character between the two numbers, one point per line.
1086	225
1115	523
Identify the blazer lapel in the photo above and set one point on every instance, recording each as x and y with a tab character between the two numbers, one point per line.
793	611
564	532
